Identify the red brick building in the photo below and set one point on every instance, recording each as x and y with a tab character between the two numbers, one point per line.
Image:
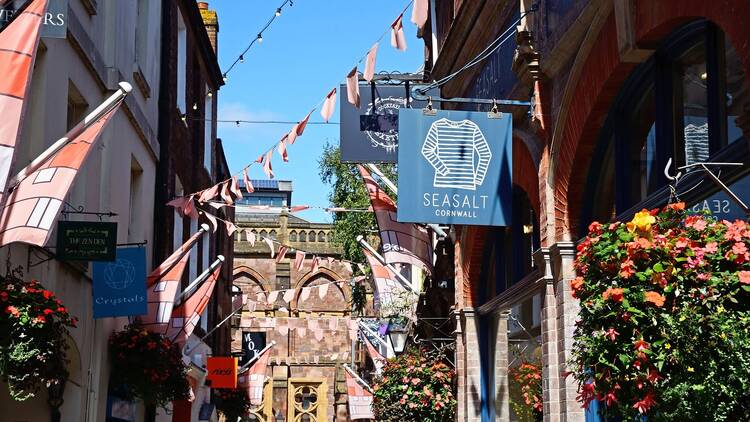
618	89
306	374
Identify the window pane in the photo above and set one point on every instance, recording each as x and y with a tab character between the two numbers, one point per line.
692	66
737	94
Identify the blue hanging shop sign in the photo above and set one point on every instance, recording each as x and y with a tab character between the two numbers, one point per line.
455	167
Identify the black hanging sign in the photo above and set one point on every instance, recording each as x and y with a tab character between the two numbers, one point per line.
370	134
86	241
252	344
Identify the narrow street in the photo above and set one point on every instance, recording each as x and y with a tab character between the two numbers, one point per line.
401	210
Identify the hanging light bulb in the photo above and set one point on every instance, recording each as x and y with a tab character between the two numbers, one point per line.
184	118
210	94
195	106
260	38
237	123
224	76
242	58
278	12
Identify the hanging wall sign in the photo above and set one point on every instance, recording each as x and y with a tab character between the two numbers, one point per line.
455	167
120	286
369	134
222	372
55	23
86	241
252	343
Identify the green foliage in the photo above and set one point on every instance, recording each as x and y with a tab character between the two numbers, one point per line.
359	297
665	317
416	386
349	191
233	403
33	327
147	366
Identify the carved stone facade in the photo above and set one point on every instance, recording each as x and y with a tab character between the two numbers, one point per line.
307	373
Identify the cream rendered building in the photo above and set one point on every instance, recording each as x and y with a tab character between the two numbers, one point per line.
107	41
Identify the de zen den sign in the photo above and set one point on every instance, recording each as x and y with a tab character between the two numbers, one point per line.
86	241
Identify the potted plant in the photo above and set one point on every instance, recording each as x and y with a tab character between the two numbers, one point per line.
233	403
33	327
664	324
147	366
415	386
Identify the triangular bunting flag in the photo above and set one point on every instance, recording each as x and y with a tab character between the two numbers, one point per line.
419	13
398	39
248	185
281	254
329	105
369	72
352	87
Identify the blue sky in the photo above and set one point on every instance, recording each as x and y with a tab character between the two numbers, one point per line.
307	51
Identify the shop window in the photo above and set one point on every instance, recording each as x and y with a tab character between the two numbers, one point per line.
682	104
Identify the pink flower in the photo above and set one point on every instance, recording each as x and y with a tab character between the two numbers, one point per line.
744	277
696	221
415	381
611	334
711	247
12	310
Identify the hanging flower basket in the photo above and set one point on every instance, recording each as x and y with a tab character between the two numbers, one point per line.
33	326
232	402
664	328
415	387
526	390
147	366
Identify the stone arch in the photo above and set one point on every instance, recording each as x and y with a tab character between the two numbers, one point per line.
311	236
526	172
249	281
293	236
598	73
321	236
323	274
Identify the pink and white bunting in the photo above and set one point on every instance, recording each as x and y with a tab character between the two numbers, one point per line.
235	187
288	296
248	185
360	400
281	254
352	87
231	228
305	294
208	194
282	149
398	39
250	236
303	124
369	72
329	105
299	260
226	194
269	242
212	220
267	168
419	13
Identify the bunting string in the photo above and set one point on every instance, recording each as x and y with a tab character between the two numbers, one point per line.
293	209
326	105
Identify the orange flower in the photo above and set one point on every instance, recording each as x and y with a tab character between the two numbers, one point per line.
655	298
615	294
680	206
576	285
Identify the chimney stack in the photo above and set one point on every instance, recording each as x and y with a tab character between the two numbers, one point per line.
211	21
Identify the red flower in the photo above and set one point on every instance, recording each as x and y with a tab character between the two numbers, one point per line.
744	277
610	398
627	269
641	345
654	376
12	310
576	285
3	296
655	298
40	319
644	405
47	294
48	311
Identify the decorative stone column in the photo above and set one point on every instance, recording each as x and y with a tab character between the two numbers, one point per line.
502	396
467	367
550	367
563	256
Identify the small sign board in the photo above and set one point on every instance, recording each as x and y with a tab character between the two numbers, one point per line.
369	134
120	286
55	23
222	372
455	167
86	241
252	343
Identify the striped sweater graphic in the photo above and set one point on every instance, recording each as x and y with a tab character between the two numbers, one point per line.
458	152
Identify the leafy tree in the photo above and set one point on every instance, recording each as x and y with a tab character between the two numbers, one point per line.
349	192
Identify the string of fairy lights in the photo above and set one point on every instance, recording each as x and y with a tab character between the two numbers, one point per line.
268	151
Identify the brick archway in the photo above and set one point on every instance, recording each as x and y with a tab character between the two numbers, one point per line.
343	288
601	77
